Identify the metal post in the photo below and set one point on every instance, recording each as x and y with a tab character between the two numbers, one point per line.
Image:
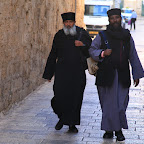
117	4
113	3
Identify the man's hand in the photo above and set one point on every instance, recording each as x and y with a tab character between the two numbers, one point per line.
107	52
78	43
49	80
136	82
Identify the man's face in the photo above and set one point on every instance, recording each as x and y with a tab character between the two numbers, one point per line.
115	21
69	23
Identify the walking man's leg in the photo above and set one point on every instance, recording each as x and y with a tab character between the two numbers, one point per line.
134	24
131	25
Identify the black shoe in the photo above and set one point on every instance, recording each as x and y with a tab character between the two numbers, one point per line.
120	136
59	125
108	135
73	129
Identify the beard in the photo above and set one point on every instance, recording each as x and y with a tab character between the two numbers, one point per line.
116	26
70	31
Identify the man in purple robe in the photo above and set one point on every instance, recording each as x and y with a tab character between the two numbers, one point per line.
113	77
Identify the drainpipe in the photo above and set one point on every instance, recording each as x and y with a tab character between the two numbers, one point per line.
75	6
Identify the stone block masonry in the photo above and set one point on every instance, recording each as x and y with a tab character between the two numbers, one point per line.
27	28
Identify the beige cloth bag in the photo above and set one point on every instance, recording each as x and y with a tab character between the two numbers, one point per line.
92	66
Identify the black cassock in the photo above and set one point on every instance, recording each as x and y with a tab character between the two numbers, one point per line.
67	63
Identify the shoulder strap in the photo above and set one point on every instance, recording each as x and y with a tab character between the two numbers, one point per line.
80	35
105	39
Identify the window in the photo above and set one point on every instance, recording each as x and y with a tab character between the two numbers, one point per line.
126	11
96	10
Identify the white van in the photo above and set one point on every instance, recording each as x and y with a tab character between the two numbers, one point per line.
95	16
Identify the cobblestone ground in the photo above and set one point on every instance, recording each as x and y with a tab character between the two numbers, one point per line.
32	121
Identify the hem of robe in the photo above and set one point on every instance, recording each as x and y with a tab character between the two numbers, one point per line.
114	101
114	129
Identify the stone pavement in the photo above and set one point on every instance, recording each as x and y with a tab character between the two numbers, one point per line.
32	121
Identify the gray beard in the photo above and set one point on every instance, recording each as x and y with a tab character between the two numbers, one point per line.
72	31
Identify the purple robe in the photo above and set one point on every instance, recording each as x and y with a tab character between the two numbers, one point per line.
114	100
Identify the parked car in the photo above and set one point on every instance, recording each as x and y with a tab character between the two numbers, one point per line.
126	14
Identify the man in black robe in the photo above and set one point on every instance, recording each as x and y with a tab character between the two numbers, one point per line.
67	63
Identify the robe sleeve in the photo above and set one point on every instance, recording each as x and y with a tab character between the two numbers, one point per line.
51	62
137	70
86	39
95	50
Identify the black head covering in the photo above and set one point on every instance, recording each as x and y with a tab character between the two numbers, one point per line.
68	16
114	11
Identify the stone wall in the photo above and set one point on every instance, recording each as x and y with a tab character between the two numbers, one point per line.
27	28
